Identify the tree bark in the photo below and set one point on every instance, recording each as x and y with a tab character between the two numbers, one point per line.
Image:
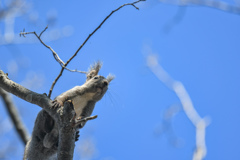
63	116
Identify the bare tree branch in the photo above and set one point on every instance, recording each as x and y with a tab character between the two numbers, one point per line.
67	131
79	121
39	99
15	117
75	70
63	116
90	35
99	26
190	111
55	55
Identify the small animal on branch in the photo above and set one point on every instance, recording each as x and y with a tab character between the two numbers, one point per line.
43	143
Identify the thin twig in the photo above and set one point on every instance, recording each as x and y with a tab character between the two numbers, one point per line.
15	117
55	55
43	31
75	70
89	36
79	121
87	119
54	82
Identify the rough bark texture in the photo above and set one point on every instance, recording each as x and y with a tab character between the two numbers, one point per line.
62	116
39	99
66	133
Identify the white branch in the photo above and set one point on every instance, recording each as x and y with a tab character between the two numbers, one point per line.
190	111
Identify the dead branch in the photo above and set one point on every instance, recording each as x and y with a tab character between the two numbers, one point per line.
99	26
12	87
67	131
62	116
55	55
89	36
14	115
79	121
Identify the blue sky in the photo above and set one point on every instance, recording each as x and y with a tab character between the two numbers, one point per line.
201	50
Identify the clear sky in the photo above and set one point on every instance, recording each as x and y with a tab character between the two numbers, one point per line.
198	46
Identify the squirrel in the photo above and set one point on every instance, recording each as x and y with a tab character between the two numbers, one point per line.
43	143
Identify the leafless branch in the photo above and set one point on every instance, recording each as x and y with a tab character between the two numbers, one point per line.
190	111
67	132
12	87
75	70
61	116
89	36
99	26
79	121
55	55
43	31
54	82
15	117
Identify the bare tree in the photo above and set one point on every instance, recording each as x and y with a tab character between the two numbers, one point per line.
63	116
